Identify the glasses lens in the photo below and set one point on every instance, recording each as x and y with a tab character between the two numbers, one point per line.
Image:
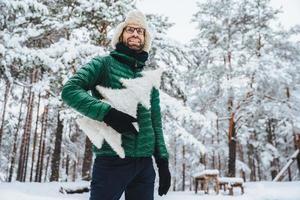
140	31
131	30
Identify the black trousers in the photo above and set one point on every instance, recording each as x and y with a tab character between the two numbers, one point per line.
113	175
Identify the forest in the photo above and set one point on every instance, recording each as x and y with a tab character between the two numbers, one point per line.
230	97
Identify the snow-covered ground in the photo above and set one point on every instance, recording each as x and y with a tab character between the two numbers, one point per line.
50	191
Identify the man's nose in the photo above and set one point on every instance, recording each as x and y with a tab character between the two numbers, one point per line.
135	33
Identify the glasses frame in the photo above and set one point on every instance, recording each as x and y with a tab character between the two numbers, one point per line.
139	30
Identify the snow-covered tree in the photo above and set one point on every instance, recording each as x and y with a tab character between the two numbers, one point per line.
243	65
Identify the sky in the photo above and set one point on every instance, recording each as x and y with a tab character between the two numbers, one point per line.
181	12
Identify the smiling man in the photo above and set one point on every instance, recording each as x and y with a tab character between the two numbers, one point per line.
135	173
133	37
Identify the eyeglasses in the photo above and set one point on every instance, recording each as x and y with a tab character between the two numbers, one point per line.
130	30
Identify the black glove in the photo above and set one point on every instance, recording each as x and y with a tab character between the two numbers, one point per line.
120	121
164	175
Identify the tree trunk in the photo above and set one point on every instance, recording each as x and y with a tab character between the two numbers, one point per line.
175	165
43	132
48	153
241	152
295	134
218	142
219	160
213	160
213	153
24	148
297	146
7	87
35	74
74	170
258	166
28	138
14	151
232	147
67	166
241	158
251	163
35	138
55	162
47	164
289	174
42	159
203	160
183	168
21	164
231	164
271	140
87	160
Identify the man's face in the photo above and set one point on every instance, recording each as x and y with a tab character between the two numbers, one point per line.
134	37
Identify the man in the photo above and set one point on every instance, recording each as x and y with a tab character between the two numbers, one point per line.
135	173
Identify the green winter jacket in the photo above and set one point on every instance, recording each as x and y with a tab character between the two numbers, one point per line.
107	71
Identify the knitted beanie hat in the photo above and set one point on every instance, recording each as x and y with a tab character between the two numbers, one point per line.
134	17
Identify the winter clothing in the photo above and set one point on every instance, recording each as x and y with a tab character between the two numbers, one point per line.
114	81
136	91
134	17
113	175
120	121
164	175
107	71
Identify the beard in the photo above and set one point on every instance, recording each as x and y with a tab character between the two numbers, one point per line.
134	44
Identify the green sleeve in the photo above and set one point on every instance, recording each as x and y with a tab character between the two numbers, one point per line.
74	92
160	146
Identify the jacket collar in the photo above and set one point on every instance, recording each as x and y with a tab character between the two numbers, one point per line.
124	54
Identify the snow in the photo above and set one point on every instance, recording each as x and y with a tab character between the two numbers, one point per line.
50	191
197	87
207	172
230	180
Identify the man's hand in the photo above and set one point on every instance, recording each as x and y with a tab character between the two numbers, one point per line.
164	175
120	121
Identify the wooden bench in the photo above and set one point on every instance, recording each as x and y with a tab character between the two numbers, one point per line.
204	178
230	183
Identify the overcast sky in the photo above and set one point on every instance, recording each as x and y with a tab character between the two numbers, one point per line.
180	12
